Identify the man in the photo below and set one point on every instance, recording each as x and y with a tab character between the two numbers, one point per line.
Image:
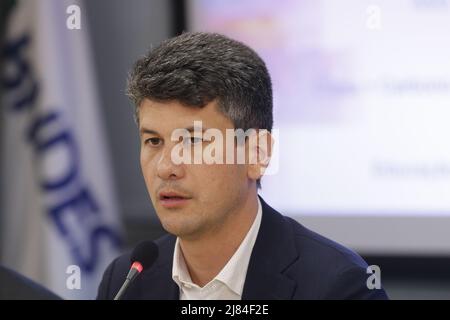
224	241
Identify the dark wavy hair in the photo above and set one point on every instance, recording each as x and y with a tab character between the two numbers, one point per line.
196	68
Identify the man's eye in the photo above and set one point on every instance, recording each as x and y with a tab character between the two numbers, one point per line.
153	141
192	140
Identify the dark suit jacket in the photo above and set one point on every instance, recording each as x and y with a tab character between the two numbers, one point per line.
288	262
14	286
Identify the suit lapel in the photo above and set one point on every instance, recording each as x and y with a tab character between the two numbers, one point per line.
158	285
274	251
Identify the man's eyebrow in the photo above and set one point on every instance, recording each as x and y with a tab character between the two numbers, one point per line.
149	131
189	129
193	128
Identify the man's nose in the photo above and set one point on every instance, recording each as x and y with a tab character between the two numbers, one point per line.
166	168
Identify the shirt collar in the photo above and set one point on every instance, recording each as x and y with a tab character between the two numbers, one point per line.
233	274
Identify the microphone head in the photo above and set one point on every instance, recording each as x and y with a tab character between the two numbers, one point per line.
146	253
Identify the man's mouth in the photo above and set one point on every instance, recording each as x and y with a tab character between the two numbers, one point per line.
171	199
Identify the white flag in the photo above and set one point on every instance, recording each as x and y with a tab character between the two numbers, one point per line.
59	214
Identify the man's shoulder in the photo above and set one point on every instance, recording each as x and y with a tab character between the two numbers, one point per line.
320	267
308	244
320	248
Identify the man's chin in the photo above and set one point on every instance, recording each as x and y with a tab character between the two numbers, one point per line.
189	234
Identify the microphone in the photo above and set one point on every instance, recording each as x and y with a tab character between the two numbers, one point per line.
142	257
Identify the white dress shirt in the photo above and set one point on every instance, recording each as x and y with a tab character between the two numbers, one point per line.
229	283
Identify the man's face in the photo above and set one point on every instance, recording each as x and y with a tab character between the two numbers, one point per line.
212	192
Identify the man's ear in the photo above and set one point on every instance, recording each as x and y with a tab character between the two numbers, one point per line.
260	146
